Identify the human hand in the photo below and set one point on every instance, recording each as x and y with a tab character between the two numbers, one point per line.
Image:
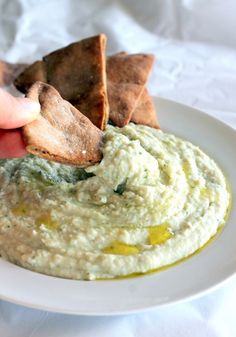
14	113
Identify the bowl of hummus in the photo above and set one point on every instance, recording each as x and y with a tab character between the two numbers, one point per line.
153	200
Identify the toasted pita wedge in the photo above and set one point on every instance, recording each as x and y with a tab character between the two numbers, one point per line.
9	71
61	133
34	72
78	72
145	112
126	77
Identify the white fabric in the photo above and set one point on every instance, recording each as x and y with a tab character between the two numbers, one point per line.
195	45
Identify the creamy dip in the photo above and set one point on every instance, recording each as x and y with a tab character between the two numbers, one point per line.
154	199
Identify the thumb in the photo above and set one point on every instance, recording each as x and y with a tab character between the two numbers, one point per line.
16	111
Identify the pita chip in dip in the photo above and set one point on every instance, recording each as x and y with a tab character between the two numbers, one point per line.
61	133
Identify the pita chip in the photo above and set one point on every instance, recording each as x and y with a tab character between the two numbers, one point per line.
78	72
61	133
33	73
127	76
9	71
145	112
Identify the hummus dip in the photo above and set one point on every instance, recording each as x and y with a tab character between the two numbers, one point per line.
154	199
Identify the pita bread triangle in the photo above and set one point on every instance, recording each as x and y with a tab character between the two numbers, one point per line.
33	73
127	75
145	112
78	72
61	133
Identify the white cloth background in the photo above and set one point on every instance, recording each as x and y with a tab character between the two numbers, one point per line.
195	45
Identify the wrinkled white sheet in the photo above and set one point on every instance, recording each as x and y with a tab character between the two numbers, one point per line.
195	45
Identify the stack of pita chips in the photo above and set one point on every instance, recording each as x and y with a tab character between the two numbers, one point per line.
78	72
90	85
128	98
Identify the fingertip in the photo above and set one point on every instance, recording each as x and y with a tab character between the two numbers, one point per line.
29	107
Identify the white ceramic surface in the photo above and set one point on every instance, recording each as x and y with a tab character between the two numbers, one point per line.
191	278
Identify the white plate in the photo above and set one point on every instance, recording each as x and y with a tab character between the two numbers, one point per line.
199	274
